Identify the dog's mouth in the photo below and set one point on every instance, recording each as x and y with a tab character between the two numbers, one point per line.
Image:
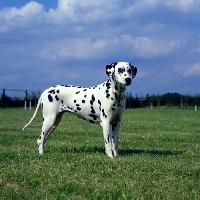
125	84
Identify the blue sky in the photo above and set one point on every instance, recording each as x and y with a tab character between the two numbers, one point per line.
45	43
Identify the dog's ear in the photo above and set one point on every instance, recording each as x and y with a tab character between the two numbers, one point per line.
110	69
134	70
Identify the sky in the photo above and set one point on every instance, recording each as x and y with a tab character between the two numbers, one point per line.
45	43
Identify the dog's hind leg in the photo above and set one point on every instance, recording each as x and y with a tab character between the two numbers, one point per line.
49	125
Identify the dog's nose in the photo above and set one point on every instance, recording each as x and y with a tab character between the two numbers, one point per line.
128	81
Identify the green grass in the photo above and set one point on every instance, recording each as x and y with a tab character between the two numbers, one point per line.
159	157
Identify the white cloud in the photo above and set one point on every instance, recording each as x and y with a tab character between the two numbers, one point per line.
23	17
196	50
81	11
72	47
184	5
154	26
146	47
192	70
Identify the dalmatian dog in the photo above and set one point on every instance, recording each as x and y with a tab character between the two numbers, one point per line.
102	104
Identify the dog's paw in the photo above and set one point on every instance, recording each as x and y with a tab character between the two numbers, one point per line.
110	154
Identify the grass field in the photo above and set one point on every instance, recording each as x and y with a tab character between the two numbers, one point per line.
159	157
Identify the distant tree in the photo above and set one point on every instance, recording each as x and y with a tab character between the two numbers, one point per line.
34	96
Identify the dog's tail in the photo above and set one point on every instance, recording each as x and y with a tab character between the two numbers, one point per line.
35	113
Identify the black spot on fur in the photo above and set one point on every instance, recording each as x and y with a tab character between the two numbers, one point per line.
92	100
85	90
107	95
92	110
83	101
58	91
108	84
77	92
69	108
104	113
57	99
93	116
52	91
108	139
116	96
114	106
50	98
74	101
78	108
99	102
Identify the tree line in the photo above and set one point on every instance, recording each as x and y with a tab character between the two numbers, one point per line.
6	101
168	99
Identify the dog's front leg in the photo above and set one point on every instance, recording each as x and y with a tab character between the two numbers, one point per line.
115	132
107	137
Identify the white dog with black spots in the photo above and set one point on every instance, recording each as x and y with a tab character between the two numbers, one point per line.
102	104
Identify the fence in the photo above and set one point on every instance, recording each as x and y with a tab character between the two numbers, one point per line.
24	99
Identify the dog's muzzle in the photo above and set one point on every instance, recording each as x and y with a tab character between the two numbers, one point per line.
128	81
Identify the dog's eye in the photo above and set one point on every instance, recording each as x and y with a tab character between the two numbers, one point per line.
129	71
120	70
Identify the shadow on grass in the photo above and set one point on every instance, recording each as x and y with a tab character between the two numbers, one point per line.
122	152
151	152
82	150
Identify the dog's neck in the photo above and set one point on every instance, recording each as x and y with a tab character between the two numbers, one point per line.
116	86
118	89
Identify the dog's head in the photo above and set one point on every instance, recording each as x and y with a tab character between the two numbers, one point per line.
122	72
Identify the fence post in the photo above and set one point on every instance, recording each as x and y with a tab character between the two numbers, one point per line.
26	97
30	104
25	105
3	97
